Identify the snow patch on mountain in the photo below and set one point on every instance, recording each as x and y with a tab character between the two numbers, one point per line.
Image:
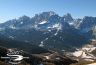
92	64
46	39
58	27
85	53
36	26
11	37
49	30
42	44
12	27
43	22
71	23
52	13
21	22
56	33
47	57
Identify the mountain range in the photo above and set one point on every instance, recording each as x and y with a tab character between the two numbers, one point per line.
48	30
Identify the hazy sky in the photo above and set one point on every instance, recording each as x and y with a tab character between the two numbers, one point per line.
10	9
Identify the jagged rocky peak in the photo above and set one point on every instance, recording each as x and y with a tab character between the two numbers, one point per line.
42	17
88	22
45	14
68	17
50	13
89	19
24	19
